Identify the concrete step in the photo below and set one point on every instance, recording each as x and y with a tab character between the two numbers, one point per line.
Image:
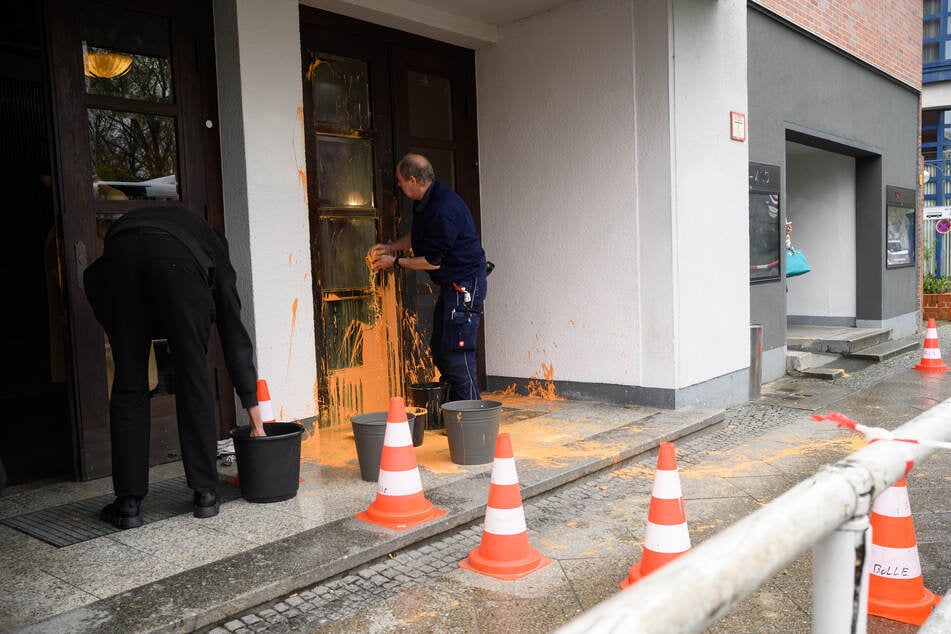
824	372
799	360
888	349
837	340
826	352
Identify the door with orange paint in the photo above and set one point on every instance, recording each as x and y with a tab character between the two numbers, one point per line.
360	80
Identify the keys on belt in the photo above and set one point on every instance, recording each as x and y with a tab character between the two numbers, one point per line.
466	295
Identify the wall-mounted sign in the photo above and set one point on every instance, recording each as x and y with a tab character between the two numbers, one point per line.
737	126
934	213
943	225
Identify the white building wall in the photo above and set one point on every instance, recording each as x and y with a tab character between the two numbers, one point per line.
710	182
820	193
557	165
613	200
263	171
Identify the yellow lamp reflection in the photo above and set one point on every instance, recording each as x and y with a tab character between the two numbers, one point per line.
105	64
355	200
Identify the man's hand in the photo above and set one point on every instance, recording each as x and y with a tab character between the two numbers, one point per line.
380	249
254	420
381	262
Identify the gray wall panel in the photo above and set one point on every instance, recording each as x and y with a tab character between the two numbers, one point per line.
799	84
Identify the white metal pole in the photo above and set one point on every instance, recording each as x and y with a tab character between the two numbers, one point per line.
840	579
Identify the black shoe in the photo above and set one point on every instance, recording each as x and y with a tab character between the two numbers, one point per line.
123	513
206	504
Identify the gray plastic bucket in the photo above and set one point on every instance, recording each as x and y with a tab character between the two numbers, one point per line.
368	433
472	427
268	466
431	396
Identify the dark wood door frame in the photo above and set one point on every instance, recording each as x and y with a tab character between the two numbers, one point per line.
400	51
192	49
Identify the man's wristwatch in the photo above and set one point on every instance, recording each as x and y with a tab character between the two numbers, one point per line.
396	262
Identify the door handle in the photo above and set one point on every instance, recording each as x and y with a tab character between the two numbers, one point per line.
81	261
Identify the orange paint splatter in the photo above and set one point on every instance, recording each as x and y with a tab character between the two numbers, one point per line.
301	164
509	391
310	70
544	390
373	371
290	346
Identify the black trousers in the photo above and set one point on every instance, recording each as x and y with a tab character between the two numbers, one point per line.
153	287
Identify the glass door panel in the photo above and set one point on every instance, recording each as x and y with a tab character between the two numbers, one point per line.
344	172
134	155
430	105
349	240
341	93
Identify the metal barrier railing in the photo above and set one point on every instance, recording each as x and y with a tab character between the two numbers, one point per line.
826	511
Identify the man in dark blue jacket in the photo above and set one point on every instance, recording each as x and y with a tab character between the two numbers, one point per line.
166	272
445	244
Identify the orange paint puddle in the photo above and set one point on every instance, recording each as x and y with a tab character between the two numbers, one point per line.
329	446
433	454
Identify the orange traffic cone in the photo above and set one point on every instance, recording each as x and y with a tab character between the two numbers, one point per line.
264	402
896	590
399	502
267	416
666	537
504	552
931	353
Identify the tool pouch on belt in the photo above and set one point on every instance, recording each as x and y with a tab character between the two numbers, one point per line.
465	328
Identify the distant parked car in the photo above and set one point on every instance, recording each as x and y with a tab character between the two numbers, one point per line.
895	254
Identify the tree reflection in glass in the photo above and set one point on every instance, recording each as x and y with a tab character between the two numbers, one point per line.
134	155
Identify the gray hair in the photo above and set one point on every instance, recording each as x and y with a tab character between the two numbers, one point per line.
416	166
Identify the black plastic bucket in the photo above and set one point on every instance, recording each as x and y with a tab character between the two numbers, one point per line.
472	427
368	433
431	396
268	466
417	422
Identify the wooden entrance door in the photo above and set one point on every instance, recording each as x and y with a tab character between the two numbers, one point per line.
135	117
370	95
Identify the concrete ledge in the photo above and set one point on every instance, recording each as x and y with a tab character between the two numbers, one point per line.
210	593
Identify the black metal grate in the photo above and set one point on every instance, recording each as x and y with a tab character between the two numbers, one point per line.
79	521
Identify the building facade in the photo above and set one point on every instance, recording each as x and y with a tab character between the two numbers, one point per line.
629	165
830	101
936	130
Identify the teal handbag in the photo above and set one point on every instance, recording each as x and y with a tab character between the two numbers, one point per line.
796	263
